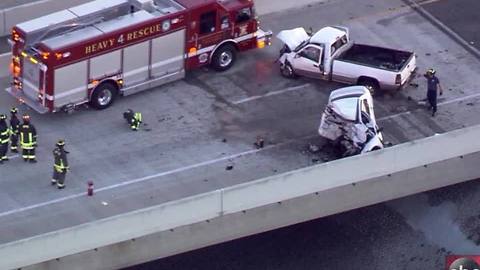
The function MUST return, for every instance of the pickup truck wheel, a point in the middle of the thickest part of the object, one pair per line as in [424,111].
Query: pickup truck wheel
[371,85]
[103,96]
[287,71]
[224,57]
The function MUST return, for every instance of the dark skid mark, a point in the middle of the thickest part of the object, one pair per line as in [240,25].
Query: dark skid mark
[194,80]
[415,126]
[430,122]
[394,131]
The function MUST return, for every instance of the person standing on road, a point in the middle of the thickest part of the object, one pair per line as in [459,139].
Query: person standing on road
[28,139]
[14,127]
[134,119]
[4,138]
[60,165]
[433,86]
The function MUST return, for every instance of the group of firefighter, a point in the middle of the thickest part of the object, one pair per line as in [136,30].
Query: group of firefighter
[25,133]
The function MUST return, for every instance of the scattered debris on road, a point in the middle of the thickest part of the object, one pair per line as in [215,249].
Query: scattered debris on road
[259,143]
[229,167]
[313,148]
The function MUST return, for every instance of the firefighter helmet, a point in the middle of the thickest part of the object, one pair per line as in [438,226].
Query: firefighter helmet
[3,117]
[14,110]
[61,143]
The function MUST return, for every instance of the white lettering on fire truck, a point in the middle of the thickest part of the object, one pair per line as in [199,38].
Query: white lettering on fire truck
[147,31]
[99,46]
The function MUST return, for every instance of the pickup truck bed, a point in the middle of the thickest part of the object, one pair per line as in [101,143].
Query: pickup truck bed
[393,60]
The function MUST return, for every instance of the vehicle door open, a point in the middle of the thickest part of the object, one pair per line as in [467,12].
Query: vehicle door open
[308,61]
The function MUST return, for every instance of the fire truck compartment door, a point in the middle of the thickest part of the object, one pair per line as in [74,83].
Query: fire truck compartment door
[31,79]
[105,65]
[168,53]
[70,84]
[135,63]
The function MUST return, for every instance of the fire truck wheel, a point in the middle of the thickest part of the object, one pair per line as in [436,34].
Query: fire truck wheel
[224,57]
[103,96]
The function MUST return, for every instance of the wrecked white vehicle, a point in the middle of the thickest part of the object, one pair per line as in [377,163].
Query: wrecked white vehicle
[330,55]
[348,121]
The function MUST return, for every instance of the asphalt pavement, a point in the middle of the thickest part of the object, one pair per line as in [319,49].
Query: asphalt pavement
[416,232]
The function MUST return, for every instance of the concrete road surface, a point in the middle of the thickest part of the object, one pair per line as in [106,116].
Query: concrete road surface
[198,126]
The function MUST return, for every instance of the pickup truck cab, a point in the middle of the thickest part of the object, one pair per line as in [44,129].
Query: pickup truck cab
[330,55]
[348,121]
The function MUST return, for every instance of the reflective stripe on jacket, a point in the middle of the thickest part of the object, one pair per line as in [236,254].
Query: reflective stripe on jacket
[61,162]
[4,135]
[28,136]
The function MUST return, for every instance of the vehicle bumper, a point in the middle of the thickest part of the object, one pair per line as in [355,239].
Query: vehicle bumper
[23,99]
[398,87]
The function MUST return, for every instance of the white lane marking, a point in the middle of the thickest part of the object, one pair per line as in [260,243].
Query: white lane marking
[458,99]
[13,156]
[145,178]
[273,93]
[393,116]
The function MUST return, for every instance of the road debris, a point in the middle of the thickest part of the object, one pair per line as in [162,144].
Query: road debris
[259,143]
[312,148]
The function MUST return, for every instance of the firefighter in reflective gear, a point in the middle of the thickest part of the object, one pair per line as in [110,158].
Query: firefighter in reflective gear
[14,127]
[28,139]
[133,119]
[60,166]
[4,138]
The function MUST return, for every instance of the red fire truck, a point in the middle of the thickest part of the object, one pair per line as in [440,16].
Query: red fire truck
[105,48]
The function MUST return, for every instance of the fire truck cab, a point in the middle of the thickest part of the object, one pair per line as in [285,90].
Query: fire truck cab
[96,51]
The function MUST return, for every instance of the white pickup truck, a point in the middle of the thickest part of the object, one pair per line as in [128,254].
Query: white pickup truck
[330,55]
